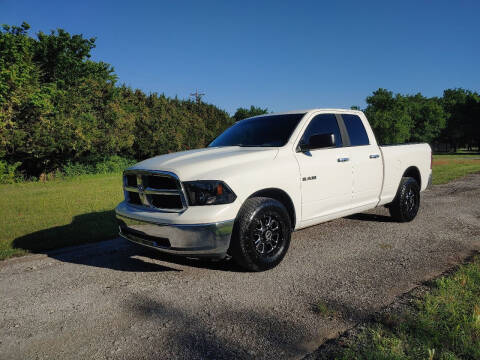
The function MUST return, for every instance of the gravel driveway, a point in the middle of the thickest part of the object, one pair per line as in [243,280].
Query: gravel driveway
[116,300]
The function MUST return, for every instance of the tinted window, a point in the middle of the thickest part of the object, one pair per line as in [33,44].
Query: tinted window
[356,130]
[270,130]
[323,124]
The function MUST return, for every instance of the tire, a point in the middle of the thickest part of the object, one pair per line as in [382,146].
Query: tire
[261,234]
[405,206]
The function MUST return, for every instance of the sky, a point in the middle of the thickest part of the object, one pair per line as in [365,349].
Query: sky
[280,55]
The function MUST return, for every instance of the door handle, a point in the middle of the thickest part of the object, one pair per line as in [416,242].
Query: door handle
[374,156]
[342,159]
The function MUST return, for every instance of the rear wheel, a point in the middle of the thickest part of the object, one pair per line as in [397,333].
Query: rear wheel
[405,206]
[261,235]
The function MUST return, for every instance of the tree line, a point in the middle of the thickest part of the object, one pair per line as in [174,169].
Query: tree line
[58,106]
[452,120]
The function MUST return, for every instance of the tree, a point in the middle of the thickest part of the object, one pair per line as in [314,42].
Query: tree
[243,113]
[64,59]
[401,118]
[429,118]
[462,108]
[389,117]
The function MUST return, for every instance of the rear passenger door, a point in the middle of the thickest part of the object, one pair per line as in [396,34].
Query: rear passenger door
[326,173]
[367,164]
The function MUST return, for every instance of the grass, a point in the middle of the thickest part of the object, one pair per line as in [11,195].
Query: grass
[444,324]
[323,309]
[39,216]
[449,167]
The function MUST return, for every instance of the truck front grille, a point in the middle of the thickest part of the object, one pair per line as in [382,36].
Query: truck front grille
[134,198]
[157,190]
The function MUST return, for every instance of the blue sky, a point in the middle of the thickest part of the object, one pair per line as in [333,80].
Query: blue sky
[283,55]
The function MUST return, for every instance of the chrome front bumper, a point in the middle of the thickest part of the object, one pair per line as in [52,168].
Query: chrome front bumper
[199,240]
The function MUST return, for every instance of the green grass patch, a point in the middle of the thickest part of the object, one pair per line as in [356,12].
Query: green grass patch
[323,309]
[445,324]
[450,167]
[38,216]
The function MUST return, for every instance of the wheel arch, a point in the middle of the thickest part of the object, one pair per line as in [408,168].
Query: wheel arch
[281,196]
[413,172]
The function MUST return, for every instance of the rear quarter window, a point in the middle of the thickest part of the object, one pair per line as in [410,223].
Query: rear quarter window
[356,131]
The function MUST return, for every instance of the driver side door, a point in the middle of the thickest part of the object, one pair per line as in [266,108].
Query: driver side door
[325,173]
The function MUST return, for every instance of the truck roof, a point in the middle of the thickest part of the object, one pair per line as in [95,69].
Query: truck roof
[315,109]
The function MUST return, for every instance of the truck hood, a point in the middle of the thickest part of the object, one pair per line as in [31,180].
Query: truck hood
[209,163]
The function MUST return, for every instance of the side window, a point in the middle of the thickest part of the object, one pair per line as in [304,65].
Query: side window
[323,124]
[356,130]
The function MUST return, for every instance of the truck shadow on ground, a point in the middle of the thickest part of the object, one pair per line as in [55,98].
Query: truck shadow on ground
[88,230]
[195,333]
[118,254]
[370,217]
[246,332]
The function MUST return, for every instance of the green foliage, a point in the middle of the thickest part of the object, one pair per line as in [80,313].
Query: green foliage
[164,125]
[63,59]
[243,113]
[452,119]
[463,117]
[398,119]
[58,107]
[96,165]
[389,117]
[8,173]
[428,116]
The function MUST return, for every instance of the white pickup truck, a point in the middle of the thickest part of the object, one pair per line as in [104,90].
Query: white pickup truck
[265,177]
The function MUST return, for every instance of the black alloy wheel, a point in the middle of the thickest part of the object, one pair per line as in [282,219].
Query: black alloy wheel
[261,234]
[404,207]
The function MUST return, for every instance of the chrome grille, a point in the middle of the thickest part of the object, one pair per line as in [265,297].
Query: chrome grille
[158,190]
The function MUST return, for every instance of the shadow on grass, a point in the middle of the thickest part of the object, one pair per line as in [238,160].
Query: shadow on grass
[85,228]
[60,243]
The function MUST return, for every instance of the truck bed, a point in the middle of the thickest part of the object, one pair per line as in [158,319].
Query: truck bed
[397,158]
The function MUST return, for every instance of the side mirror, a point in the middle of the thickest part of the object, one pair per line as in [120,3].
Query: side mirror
[318,141]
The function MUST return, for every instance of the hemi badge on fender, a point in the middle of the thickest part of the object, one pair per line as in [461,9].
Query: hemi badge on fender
[309,178]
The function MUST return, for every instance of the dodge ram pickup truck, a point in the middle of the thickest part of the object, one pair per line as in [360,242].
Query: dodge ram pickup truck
[265,177]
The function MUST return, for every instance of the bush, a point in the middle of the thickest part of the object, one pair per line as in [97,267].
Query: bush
[8,172]
[113,163]
[96,165]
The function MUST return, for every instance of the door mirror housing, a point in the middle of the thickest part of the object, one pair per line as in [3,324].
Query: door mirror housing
[318,141]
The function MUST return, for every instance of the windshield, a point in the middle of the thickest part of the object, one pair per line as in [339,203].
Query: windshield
[270,130]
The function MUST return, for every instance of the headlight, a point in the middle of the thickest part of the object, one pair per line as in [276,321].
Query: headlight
[208,192]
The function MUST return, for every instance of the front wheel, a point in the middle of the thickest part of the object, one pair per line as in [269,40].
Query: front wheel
[261,235]
[405,206]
